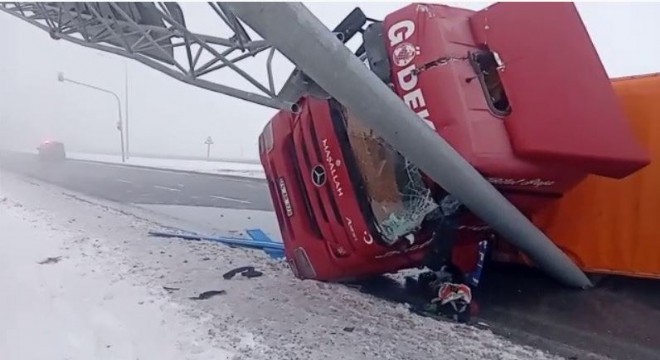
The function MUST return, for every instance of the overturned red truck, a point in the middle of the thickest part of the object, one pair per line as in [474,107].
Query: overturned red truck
[517,89]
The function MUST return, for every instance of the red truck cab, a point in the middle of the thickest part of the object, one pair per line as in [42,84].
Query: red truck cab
[323,196]
[526,101]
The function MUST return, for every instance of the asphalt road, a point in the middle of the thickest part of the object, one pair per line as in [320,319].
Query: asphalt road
[127,184]
[620,318]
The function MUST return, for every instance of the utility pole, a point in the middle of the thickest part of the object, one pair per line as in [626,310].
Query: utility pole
[317,52]
[208,142]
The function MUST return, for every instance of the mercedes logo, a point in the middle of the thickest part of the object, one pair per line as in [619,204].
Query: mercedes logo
[318,175]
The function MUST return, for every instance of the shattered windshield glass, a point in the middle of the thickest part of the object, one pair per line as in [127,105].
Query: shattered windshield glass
[398,197]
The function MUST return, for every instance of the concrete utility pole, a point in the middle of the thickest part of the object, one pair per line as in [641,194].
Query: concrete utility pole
[326,60]
[61,78]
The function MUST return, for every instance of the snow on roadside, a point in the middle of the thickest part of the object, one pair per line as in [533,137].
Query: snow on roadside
[208,167]
[66,296]
[277,316]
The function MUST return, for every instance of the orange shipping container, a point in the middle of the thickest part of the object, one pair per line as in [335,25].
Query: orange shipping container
[613,226]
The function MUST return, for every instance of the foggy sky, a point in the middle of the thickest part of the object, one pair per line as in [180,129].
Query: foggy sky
[168,117]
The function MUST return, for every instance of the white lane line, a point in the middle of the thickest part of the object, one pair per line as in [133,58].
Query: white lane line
[166,188]
[123,181]
[230,199]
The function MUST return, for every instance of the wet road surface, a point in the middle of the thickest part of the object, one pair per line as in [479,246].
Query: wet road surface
[620,318]
[127,184]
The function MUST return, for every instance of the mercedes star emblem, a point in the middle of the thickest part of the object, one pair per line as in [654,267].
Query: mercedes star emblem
[318,175]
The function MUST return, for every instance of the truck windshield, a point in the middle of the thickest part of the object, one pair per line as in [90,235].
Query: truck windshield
[397,195]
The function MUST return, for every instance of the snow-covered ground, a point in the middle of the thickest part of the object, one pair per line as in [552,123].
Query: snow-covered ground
[105,297]
[209,167]
[68,295]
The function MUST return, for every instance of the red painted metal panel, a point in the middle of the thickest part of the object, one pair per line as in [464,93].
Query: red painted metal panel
[563,105]
[449,98]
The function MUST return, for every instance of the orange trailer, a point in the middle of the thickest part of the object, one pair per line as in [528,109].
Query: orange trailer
[612,226]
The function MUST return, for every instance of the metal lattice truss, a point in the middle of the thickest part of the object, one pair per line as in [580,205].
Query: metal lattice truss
[153,33]
[156,35]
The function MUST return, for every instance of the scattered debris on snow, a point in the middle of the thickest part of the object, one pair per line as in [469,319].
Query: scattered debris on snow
[246,271]
[207,294]
[50,260]
[88,307]
[115,296]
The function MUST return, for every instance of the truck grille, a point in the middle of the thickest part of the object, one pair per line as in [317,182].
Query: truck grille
[291,150]
[322,200]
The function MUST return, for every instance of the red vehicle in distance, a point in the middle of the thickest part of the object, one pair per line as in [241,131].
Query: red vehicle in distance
[526,102]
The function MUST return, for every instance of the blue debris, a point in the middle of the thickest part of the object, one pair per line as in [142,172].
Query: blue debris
[258,240]
[258,235]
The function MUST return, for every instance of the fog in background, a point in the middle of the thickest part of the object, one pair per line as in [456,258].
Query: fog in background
[170,118]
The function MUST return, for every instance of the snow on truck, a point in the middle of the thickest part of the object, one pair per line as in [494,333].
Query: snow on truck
[519,91]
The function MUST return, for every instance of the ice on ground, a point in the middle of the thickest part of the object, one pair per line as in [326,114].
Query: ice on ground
[208,167]
[108,290]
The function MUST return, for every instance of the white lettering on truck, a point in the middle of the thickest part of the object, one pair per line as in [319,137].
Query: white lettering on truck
[349,222]
[367,238]
[521,182]
[333,165]
[406,78]
[400,31]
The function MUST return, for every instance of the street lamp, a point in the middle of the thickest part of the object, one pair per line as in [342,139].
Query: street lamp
[126,132]
[61,78]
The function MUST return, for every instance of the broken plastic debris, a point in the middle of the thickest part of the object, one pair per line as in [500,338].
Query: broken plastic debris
[50,260]
[208,294]
[247,271]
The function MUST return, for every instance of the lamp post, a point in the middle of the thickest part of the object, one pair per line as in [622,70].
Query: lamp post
[126,132]
[128,153]
[61,78]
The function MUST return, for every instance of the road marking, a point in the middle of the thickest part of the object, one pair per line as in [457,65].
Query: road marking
[166,188]
[123,181]
[230,199]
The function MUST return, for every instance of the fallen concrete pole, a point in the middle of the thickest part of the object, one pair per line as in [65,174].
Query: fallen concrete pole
[303,39]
